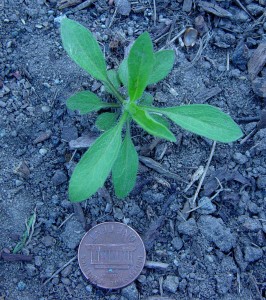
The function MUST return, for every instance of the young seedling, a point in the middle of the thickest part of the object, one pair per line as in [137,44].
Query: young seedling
[114,152]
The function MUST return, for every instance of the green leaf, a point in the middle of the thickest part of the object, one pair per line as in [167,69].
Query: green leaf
[204,120]
[113,76]
[160,119]
[125,168]
[82,47]
[86,102]
[163,64]
[106,120]
[123,72]
[148,123]
[95,165]
[146,99]
[140,62]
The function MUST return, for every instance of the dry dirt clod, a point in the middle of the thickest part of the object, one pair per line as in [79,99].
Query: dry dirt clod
[123,7]
[259,86]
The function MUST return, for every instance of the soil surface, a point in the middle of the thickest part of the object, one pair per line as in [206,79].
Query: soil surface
[216,251]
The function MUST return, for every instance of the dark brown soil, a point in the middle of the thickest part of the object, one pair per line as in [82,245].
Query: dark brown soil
[214,252]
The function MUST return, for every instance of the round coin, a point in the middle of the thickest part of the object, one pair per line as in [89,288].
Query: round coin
[111,255]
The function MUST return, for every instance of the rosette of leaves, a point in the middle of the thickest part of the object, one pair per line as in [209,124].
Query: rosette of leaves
[114,152]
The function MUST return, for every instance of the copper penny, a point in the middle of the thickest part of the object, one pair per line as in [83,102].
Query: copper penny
[111,255]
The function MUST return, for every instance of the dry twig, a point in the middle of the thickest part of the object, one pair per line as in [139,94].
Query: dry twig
[204,174]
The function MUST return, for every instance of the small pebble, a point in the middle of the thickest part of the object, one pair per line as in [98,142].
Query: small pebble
[43,151]
[170,284]
[59,177]
[177,243]
[21,286]
[65,281]
[130,292]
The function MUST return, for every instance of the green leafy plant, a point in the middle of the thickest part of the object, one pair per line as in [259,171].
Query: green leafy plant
[114,152]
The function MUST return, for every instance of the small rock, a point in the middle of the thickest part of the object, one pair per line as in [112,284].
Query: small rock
[188,227]
[177,243]
[38,261]
[252,254]
[170,284]
[88,288]
[253,208]
[118,213]
[215,231]
[69,133]
[240,158]
[261,182]
[150,197]
[43,151]
[21,286]
[123,7]
[48,241]
[130,292]
[65,281]
[255,9]
[67,271]
[206,206]
[2,104]
[59,177]
[31,270]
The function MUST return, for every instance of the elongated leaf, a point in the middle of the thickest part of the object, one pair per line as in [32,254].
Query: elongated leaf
[113,76]
[140,63]
[204,120]
[106,120]
[146,99]
[160,119]
[163,64]
[95,165]
[125,168]
[86,102]
[123,72]
[82,47]
[148,123]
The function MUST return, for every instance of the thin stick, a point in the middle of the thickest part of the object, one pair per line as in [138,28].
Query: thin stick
[175,38]
[155,13]
[113,17]
[70,216]
[204,174]
[227,61]
[60,269]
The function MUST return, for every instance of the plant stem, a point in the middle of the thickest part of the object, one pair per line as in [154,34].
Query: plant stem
[114,91]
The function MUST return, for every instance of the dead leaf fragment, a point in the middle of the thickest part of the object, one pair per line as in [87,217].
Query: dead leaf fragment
[22,169]
[257,61]
[214,9]
[68,3]
[82,142]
